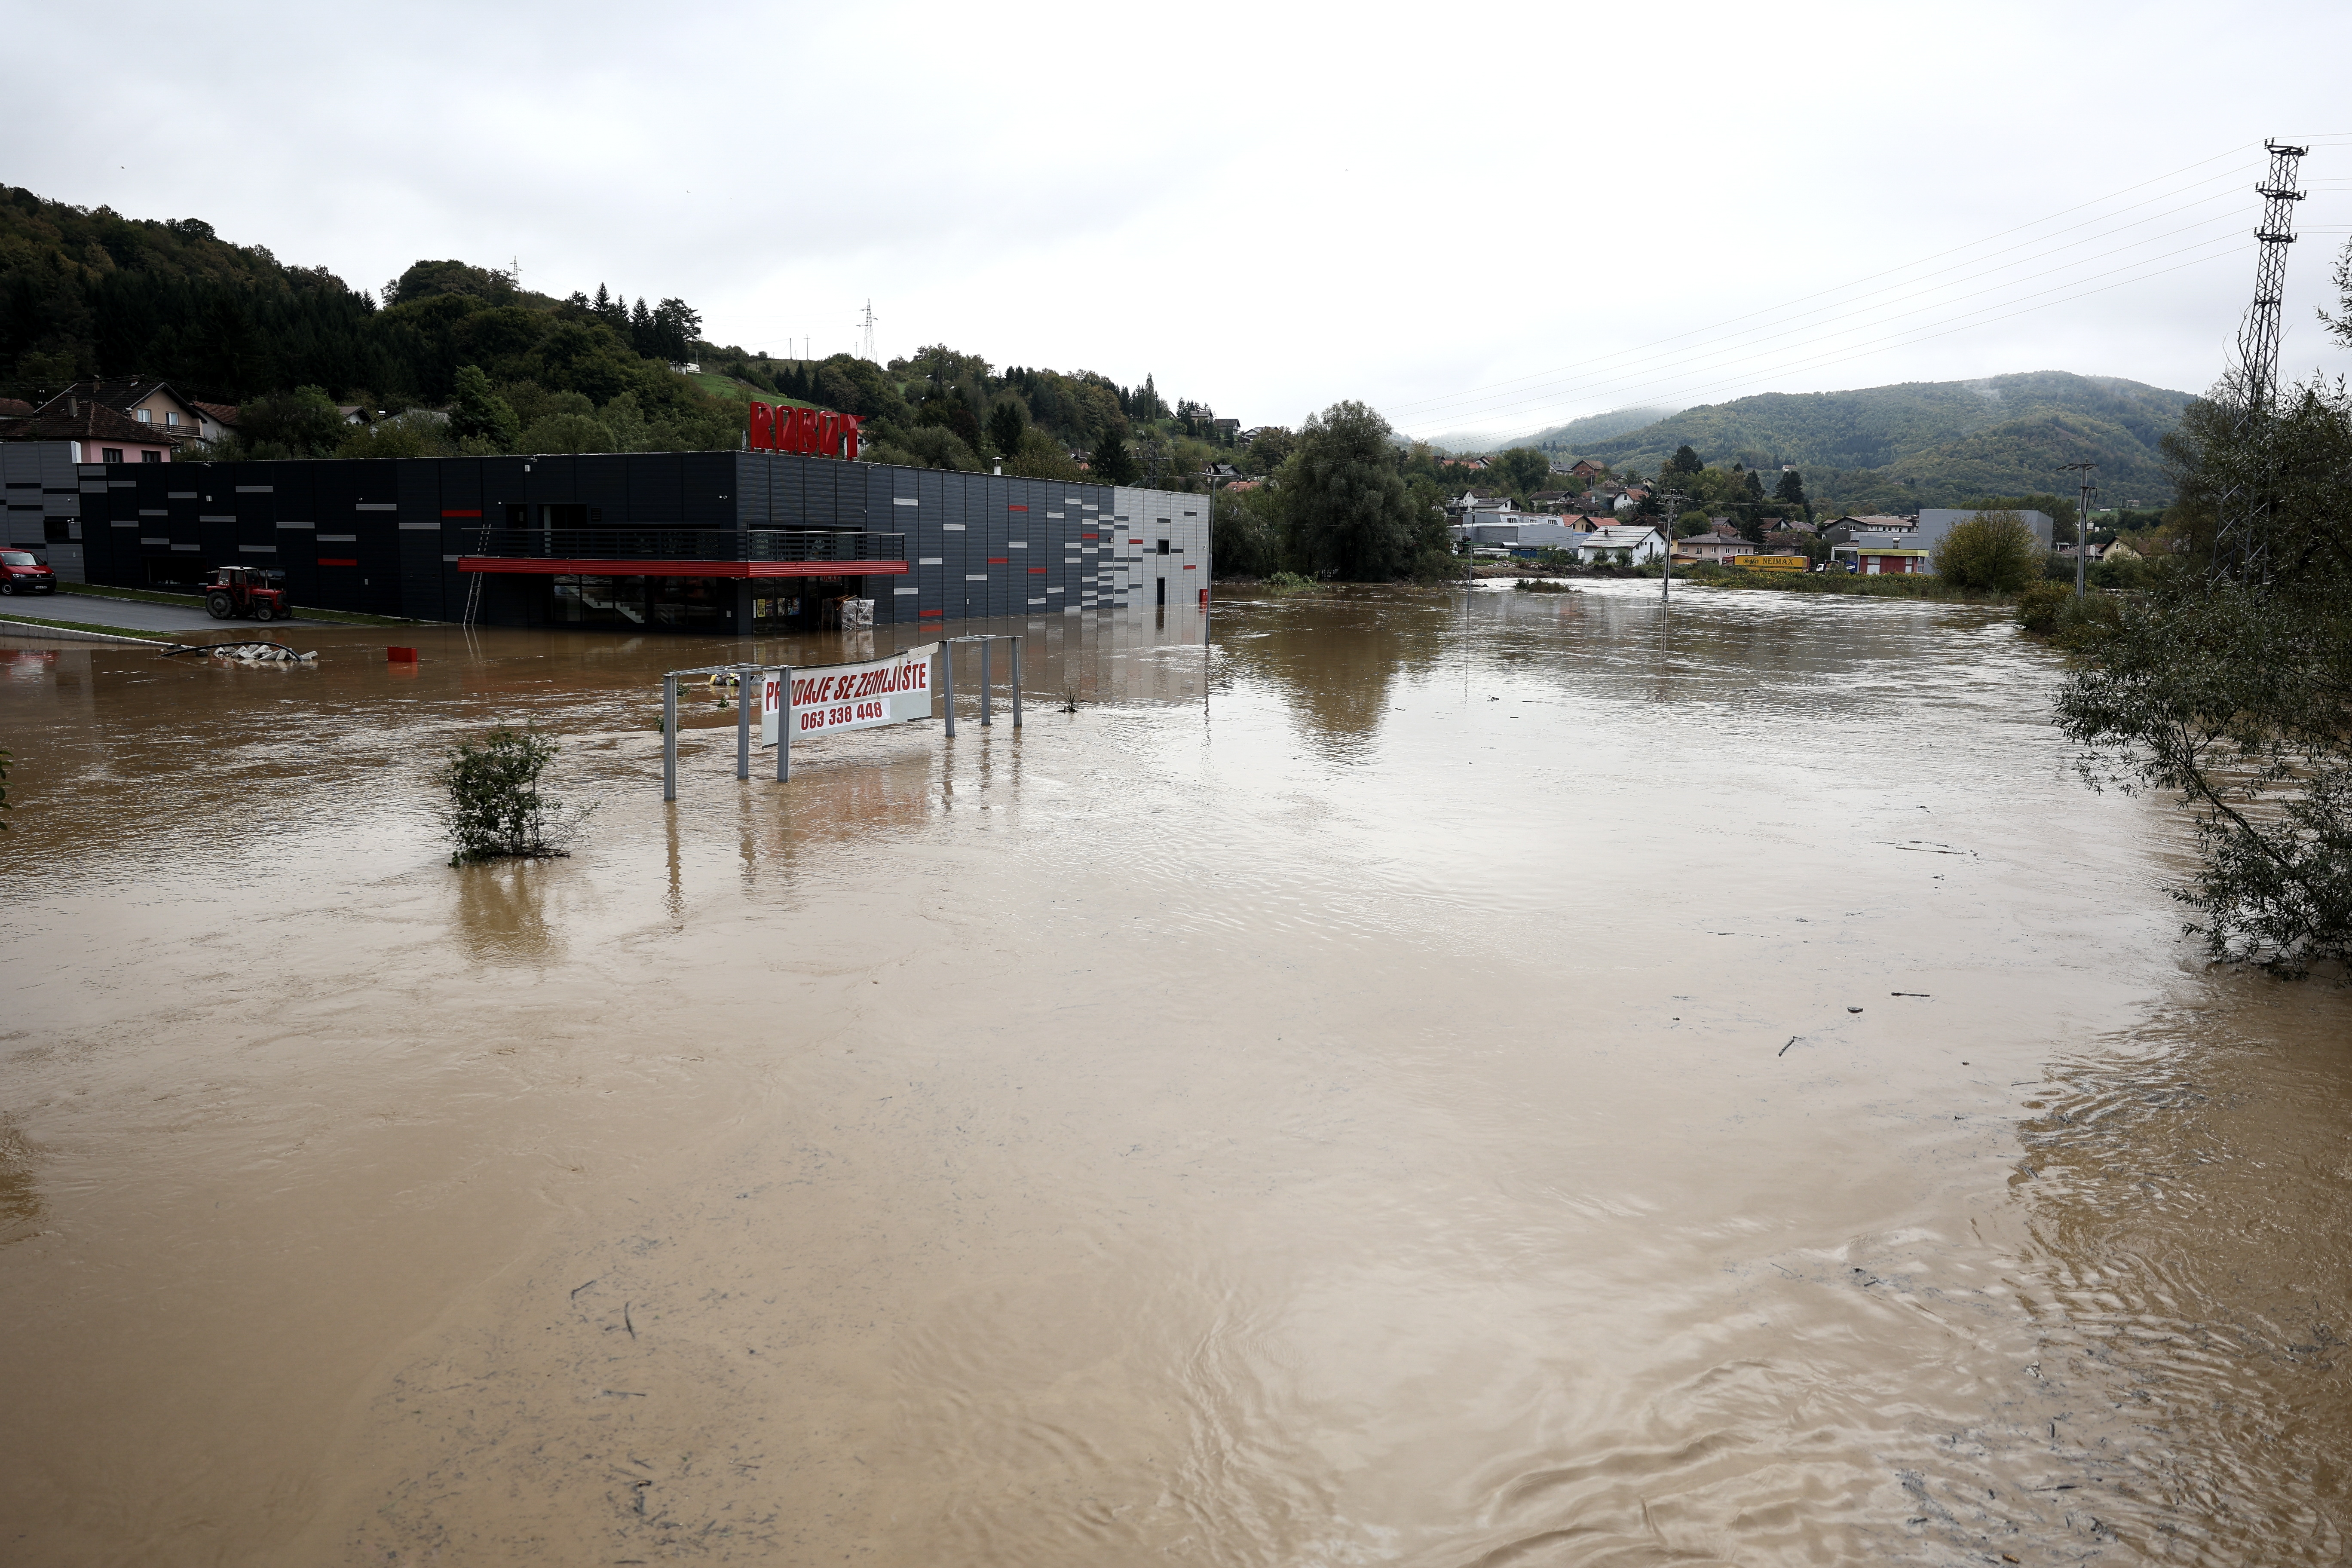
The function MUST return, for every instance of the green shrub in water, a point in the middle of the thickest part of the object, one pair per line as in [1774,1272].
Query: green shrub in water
[494,808]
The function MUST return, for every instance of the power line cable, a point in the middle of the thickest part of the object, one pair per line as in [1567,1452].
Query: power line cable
[1909,265]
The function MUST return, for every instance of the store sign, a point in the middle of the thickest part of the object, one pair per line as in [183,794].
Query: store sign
[814,432]
[829,698]
[1772,563]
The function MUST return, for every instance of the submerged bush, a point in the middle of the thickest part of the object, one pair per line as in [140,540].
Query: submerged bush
[494,807]
[2038,607]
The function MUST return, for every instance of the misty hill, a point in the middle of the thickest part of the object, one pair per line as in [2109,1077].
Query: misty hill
[1571,438]
[1931,443]
[1574,439]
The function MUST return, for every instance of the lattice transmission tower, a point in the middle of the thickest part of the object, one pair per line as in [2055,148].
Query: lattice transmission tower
[2237,540]
[866,340]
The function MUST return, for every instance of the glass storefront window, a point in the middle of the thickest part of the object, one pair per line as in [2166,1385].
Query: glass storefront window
[586,601]
[800,604]
[687,603]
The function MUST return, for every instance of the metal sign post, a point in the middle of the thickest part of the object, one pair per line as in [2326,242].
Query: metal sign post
[744,699]
[987,677]
[669,737]
[783,724]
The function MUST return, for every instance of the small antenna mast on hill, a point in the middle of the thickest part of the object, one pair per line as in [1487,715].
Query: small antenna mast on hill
[868,339]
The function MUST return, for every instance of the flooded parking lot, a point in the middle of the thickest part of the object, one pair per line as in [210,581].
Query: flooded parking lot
[1435,1080]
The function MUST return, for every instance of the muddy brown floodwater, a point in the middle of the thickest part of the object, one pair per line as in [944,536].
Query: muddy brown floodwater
[1446,1081]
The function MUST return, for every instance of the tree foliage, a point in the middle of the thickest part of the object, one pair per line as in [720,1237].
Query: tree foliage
[2228,681]
[1524,469]
[1348,508]
[1111,463]
[1993,550]
[478,413]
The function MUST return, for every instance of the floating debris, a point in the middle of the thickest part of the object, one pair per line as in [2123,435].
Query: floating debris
[253,651]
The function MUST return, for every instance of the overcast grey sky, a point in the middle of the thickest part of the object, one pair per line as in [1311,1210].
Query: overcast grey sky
[1485,217]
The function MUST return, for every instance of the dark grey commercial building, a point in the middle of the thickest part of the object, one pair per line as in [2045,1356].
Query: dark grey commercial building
[713,542]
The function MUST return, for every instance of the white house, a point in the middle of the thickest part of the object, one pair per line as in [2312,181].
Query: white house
[1626,544]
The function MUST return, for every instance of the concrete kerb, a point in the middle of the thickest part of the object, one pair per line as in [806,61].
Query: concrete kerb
[73,634]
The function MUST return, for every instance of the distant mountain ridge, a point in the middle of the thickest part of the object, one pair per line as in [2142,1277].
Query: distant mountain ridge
[1574,436]
[1926,443]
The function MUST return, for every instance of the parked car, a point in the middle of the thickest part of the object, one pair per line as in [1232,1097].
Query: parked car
[22,572]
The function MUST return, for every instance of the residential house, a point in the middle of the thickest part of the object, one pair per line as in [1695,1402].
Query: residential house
[143,400]
[14,409]
[95,433]
[1871,523]
[1711,547]
[1584,468]
[1626,544]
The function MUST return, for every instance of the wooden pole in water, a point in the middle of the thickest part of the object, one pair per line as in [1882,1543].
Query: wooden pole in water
[985,644]
[947,660]
[1017,683]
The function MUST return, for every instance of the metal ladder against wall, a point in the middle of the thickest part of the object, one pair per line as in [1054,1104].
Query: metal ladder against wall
[473,588]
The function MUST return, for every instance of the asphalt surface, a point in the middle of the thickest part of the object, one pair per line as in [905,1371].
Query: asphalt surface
[131,615]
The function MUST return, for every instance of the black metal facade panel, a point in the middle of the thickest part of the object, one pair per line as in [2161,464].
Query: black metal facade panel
[657,487]
[708,494]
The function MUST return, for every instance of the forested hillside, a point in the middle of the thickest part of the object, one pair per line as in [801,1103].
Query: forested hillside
[1893,448]
[87,292]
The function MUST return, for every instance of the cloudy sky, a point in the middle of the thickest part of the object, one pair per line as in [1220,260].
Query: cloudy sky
[1481,217]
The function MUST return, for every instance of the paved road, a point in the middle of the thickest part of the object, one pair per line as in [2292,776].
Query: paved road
[131,615]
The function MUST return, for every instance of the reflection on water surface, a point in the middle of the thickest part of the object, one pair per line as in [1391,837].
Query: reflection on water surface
[1421,1079]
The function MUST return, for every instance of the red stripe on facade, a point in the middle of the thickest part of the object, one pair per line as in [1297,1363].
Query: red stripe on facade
[1191,568]
[446,513]
[1016,508]
[1000,561]
[336,561]
[1036,571]
[921,614]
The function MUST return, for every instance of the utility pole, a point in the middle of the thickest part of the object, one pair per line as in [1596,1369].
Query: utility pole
[2237,542]
[2082,523]
[1673,499]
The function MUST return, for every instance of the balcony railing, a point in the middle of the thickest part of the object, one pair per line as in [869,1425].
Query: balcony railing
[620,545]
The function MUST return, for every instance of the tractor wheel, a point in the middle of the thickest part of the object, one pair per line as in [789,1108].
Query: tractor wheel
[261,610]
[217,606]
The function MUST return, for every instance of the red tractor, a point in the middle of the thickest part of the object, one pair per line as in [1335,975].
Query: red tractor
[247,592]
